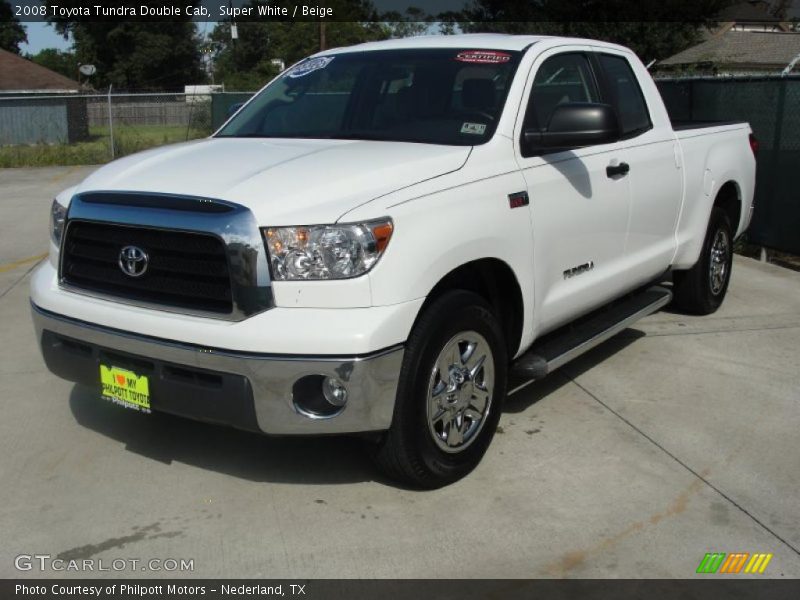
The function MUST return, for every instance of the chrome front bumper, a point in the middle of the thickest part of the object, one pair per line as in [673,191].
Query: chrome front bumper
[371,380]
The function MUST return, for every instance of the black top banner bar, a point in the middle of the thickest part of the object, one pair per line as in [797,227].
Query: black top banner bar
[518,11]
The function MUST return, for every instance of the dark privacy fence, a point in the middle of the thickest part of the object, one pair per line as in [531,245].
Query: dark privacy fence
[772,107]
[223,103]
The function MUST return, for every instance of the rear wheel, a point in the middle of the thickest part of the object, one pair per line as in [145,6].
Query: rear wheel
[450,394]
[701,289]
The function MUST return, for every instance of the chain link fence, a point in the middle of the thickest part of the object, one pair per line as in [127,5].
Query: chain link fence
[93,129]
[772,107]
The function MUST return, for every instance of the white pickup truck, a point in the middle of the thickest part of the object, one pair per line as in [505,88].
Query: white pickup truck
[387,237]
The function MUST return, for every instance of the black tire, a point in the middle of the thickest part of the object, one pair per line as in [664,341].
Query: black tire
[409,452]
[697,291]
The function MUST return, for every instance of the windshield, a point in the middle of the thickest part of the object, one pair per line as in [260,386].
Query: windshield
[441,96]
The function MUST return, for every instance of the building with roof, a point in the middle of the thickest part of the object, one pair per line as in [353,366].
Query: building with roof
[22,76]
[755,37]
[757,15]
[38,105]
[737,52]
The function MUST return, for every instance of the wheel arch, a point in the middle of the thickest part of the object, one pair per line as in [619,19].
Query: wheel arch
[495,281]
[729,199]
[729,196]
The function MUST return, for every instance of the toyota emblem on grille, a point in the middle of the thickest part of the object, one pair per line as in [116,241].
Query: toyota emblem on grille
[133,261]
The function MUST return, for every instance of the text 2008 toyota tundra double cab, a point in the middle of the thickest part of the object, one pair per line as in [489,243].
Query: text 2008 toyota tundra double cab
[388,237]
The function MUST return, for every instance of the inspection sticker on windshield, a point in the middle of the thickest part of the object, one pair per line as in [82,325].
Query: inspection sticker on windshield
[309,66]
[125,388]
[473,128]
[484,57]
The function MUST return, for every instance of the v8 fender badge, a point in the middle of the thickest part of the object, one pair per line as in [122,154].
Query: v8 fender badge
[518,200]
[484,57]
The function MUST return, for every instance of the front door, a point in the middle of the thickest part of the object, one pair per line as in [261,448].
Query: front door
[579,212]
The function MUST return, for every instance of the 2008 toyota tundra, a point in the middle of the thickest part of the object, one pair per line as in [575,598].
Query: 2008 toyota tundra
[385,236]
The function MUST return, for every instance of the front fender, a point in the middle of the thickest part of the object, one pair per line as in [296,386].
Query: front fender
[437,233]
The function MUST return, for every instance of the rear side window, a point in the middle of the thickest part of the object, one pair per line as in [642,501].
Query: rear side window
[561,78]
[631,106]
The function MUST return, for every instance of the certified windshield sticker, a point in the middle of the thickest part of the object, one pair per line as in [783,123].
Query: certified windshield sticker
[473,128]
[311,65]
[484,57]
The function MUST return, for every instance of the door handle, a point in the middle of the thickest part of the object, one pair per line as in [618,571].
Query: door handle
[620,169]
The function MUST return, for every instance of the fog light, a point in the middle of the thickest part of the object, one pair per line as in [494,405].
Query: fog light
[319,396]
[334,391]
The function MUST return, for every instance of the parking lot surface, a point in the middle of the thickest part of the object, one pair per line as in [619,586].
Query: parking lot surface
[678,437]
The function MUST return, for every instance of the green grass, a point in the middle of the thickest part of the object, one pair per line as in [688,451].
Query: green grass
[96,150]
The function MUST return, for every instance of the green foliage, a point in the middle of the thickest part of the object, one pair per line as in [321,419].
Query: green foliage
[449,25]
[137,56]
[652,30]
[62,62]
[413,22]
[245,63]
[97,150]
[12,32]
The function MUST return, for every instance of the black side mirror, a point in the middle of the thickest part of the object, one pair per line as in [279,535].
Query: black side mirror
[234,107]
[573,125]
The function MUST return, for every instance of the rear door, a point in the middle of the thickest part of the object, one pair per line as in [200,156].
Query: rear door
[579,213]
[656,180]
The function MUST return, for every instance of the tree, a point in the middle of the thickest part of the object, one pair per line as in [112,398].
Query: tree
[242,64]
[449,23]
[651,29]
[12,32]
[413,22]
[60,61]
[137,55]
[246,63]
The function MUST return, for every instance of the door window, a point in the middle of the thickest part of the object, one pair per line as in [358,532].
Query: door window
[634,118]
[561,78]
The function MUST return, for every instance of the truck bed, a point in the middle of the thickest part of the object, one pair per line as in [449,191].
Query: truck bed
[686,125]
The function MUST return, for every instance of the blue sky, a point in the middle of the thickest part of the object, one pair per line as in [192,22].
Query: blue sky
[40,36]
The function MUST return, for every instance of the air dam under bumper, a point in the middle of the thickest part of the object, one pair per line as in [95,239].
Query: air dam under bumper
[244,390]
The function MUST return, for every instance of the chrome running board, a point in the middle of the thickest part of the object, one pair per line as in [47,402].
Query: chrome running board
[560,347]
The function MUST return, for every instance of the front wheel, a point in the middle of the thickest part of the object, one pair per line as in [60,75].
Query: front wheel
[451,391]
[701,289]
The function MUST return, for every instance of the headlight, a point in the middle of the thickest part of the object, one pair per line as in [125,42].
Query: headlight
[58,216]
[326,251]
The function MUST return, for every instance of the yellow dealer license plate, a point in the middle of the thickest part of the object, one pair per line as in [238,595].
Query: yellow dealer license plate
[125,388]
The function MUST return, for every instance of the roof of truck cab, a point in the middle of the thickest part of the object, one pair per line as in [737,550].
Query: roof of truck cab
[486,41]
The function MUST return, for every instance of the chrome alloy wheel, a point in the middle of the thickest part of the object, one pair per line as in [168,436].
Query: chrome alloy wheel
[718,265]
[460,391]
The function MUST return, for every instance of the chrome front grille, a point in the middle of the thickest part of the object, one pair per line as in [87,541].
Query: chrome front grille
[203,256]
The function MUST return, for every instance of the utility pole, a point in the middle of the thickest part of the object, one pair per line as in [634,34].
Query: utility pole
[323,42]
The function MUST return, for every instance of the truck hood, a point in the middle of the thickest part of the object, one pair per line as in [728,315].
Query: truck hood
[282,181]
